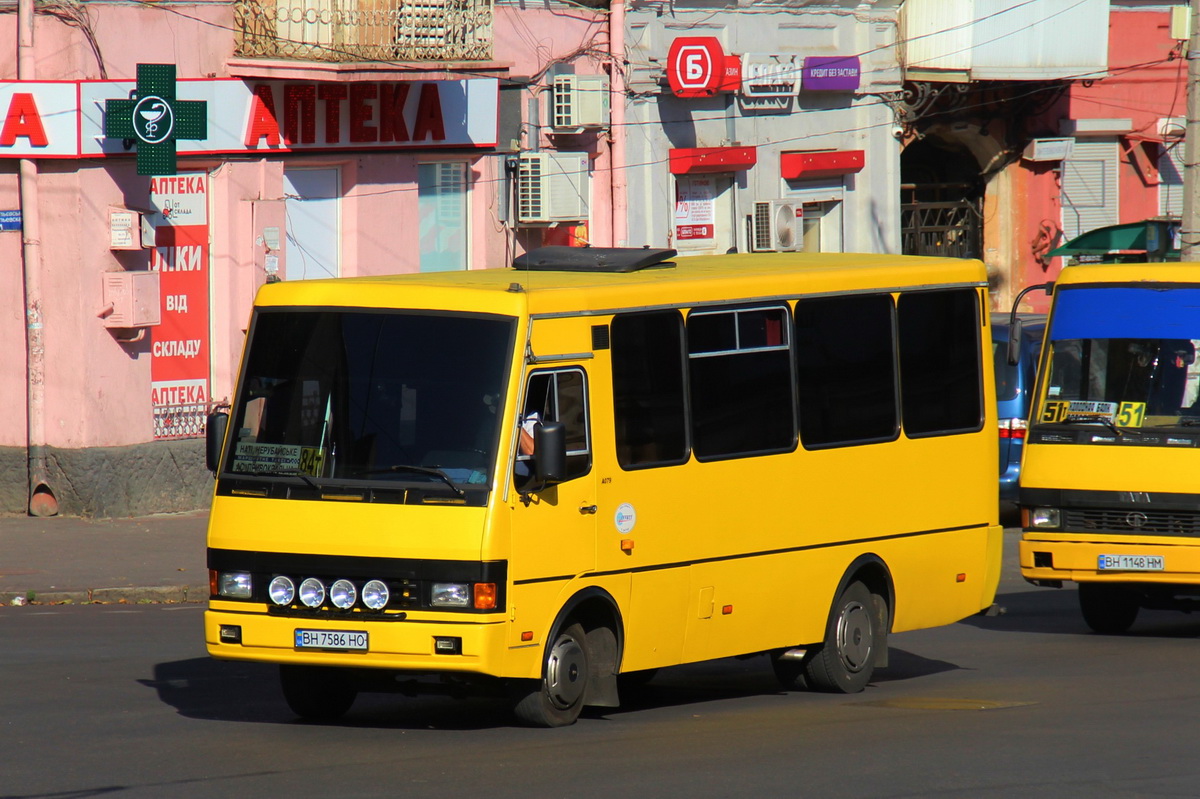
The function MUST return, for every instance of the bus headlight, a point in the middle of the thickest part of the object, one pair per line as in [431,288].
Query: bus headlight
[312,592]
[234,584]
[375,595]
[282,590]
[343,594]
[450,595]
[1045,518]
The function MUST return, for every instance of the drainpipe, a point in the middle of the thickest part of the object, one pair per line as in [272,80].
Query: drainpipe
[41,498]
[616,145]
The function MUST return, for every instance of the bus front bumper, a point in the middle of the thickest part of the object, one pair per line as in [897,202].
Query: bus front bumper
[1052,559]
[475,646]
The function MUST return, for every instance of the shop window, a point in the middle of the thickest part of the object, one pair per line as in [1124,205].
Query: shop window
[442,211]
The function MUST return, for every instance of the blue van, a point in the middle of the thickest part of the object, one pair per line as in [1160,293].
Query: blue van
[1014,387]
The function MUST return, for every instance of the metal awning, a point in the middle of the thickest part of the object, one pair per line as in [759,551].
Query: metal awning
[1153,236]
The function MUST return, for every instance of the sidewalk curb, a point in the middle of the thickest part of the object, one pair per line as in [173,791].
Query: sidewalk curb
[137,595]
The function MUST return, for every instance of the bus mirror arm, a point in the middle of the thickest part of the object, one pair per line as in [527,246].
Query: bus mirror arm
[1014,324]
[214,437]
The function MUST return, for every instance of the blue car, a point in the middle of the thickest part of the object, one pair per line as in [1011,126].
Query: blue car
[1014,389]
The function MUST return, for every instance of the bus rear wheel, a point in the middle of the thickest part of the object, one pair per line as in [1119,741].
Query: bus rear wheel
[845,660]
[557,699]
[317,694]
[1108,608]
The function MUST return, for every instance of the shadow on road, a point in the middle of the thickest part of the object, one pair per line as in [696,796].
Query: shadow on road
[208,689]
[1056,611]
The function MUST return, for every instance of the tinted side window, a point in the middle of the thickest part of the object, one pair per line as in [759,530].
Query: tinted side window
[940,371]
[846,371]
[740,382]
[648,388]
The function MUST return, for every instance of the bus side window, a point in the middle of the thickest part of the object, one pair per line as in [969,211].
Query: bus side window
[558,396]
[941,376]
[649,388]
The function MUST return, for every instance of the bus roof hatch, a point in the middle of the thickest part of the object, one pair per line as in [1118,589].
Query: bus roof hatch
[593,259]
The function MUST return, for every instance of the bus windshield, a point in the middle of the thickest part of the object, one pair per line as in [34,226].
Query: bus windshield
[1124,357]
[358,395]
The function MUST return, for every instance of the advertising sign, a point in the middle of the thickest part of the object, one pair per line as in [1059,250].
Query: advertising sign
[694,209]
[179,345]
[697,66]
[838,73]
[68,119]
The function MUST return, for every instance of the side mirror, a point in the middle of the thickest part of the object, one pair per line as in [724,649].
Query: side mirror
[1014,324]
[550,446]
[214,437]
[1014,341]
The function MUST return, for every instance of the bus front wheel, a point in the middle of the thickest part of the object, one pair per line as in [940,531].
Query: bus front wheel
[317,694]
[845,660]
[1108,608]
[556,699]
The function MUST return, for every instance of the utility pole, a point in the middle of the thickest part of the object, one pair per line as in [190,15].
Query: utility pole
[1189,229]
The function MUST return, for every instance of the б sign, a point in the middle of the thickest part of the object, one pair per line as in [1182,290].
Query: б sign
[698,67]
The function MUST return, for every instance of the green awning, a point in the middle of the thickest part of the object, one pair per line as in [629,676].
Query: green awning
[1130,236]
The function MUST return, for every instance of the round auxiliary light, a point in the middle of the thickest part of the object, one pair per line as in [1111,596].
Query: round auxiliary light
[282,590]
[375,595]
[312,592]
[342,594]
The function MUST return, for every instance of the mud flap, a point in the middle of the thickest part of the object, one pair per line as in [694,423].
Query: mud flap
[602,679]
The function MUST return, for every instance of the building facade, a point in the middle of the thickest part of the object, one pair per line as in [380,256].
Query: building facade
[336,142]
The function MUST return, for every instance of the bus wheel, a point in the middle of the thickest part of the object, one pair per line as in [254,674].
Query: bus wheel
[556,699]
[845,660]
[1109,609]
[317,694]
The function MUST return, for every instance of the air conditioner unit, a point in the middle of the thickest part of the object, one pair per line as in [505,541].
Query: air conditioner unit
[580,102]
[777,226]
[553,187]
[1172,127]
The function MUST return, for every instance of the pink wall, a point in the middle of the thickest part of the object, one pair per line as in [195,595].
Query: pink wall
[97,391]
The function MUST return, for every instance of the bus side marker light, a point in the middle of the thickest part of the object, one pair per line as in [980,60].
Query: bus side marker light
[726,610]
[527,635]
[485,596]
[961,577]
[627,545]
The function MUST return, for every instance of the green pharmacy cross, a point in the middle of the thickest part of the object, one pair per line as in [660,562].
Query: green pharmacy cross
[155,119]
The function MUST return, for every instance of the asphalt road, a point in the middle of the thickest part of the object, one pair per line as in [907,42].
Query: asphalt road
[121,701]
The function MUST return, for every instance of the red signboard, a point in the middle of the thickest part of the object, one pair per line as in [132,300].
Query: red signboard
[179,346]
[697,66]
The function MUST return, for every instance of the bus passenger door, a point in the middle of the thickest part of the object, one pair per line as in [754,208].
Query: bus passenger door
[553,528]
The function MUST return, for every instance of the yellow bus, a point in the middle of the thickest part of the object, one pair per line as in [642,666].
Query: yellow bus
[1108,494]
[774,453]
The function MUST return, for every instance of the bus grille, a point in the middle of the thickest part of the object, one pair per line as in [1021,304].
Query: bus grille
[1134,522]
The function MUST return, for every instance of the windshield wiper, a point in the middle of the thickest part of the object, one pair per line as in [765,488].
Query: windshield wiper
[438,473]
[1106,423]
[302,476]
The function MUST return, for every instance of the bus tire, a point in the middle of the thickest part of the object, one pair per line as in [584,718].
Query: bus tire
[315,693]
[558,697]
[845,660]
[1108,608]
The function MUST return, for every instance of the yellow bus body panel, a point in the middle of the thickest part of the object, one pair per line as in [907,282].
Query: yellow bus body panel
[727,557]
